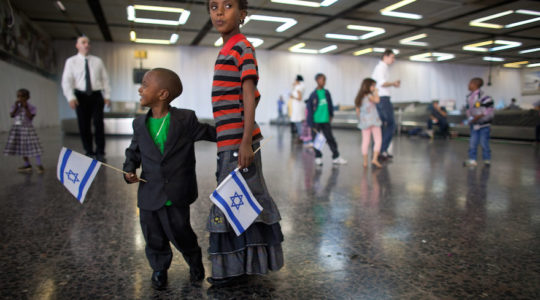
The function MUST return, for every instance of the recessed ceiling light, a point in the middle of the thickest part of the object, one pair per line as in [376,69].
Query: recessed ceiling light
[389,11]
[478,46]
[299,48]
[411,40]
[287,22]
[480,22]
[517,64]
[342,36]
[490,58]
[182,19]
[533,65]
[529,50]
[369,50]
[256,42]
[60,6]
[432,56]
[172,40]
[324,3]
[374,31]
[381,50]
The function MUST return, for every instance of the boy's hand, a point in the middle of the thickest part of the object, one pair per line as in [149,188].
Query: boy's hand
[131,177]
[245,156]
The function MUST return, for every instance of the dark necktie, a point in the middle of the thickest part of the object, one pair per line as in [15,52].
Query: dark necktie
[88,89]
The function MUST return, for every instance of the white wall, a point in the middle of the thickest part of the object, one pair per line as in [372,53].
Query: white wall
[42,94]
[420,81]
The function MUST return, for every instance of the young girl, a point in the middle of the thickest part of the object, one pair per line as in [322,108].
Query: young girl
[234,99]
[23,139]
[368,119]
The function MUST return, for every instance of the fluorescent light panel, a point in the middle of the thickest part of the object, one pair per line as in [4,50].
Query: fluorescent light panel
[131,15]
[490,58]
[432,56]
[375,49]
[60,6]
[517,64]
[389,11]
[478,46]
[529,50]
[299,48]
[533,65]
[172,40]
[411,40]
[324,3]
[480,22]
[287,22]
[374,31]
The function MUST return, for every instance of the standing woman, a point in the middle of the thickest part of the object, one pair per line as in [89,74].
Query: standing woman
[368,119]
[298,108]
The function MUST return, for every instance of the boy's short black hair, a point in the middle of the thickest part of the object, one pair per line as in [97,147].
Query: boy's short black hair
[387,52]
[478,81]
[25,92]
[299,78]
[242,3]
[170,81]
[319,75]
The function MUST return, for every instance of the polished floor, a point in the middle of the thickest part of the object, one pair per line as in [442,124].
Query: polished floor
[422,227]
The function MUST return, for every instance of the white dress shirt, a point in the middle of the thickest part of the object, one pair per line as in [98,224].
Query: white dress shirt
[381,75]
[298,108]
[73,77]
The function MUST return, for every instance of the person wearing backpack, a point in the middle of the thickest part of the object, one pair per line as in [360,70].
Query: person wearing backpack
[480,108]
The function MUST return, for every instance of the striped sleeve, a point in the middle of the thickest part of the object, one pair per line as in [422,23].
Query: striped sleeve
[247,63]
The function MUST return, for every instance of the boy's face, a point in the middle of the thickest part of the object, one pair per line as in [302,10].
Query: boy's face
[150,91]
[321,81]
[226,15]
[473,86]
[21,97]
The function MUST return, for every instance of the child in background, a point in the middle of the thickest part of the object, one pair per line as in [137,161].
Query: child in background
[234,100]
[480,114]
[320,113]
[368,119]
[163,143]
[22,139]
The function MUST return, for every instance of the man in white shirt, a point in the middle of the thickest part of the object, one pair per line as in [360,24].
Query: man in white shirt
[85,83]
[385,107]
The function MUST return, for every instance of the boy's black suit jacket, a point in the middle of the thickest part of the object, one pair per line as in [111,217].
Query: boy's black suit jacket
[171,175]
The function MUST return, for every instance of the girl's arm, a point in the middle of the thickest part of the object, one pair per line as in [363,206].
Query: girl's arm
[29,115]
[358,111]
[245,153]
[374,98]
[15,109]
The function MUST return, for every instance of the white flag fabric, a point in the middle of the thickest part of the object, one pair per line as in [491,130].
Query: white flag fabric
[76,172]
[319,141]
[236,201]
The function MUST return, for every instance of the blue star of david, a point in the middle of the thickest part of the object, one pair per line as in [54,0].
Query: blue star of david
[240,202]
[72,176]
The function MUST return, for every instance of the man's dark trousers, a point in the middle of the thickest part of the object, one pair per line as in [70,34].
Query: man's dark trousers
[91,107]
[386,114]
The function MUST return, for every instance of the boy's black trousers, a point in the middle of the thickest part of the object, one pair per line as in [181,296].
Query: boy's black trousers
[169,224]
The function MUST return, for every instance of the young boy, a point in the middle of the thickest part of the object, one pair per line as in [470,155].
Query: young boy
[320,114]
[480,115]
[234,99]
[163,142]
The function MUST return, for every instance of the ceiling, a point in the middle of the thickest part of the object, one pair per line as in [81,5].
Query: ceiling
[443,29]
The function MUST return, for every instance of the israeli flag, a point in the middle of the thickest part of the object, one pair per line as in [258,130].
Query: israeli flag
[76,172]
[319,141]
[236,201]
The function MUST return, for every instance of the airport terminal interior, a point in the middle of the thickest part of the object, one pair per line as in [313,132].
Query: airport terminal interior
[426,224]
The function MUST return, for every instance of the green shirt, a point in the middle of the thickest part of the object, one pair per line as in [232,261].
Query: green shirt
[321,114]
[158,129]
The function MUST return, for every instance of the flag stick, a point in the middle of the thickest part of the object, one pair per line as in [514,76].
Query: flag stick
[121,171]
[264,142]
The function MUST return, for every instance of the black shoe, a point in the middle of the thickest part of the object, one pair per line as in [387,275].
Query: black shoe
[220,282]
[101,157]
[159,279]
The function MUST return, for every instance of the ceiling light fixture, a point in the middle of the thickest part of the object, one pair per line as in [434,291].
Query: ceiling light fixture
[516,65]
[478,47]
[377,50]
[172,40]
[389,11]
[490,58]
[411,40]
[182,19]
[529,50]
[342,36]
[324,3]
[60,6]
[287,22]
[432,56]
[480,22]
[533,65]
[299,48]
[374,31]
[256,42]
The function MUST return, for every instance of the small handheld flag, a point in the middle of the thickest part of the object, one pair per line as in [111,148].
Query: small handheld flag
[236,201]
[76,172]
[319,141]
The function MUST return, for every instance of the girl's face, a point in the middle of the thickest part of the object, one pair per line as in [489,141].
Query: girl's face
[372,88]
[226,16]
